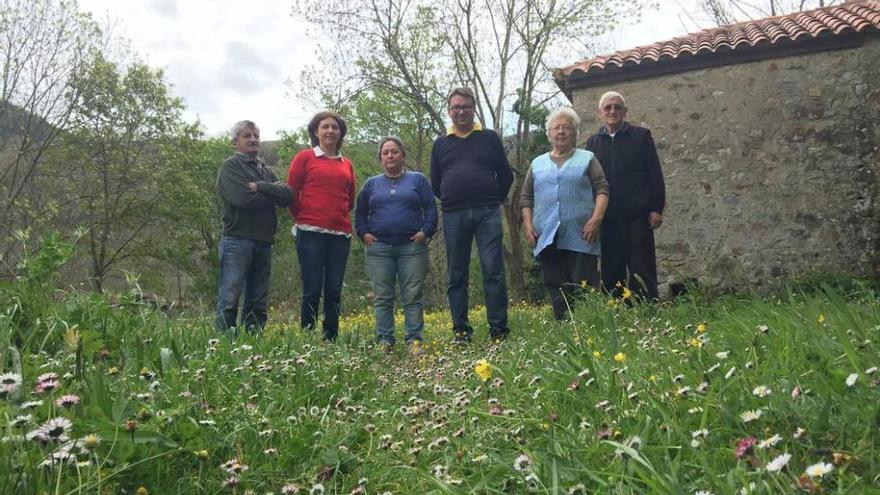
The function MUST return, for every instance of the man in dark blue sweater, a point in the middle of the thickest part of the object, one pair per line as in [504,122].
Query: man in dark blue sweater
[471,176]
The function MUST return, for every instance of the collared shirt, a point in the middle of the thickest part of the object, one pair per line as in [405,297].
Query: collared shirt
[319,153]
[451,130]
[314,228]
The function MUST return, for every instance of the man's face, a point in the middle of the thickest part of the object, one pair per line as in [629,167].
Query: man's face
[248,141]
[461,111]
[612,112]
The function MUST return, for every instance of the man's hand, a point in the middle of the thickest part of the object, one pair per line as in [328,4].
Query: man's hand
[418,238]
[369,239]
[252,186]
[655,220]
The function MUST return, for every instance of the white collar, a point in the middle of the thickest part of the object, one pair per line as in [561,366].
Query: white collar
[319,152]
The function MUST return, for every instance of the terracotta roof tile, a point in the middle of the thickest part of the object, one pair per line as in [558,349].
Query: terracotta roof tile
[848,17]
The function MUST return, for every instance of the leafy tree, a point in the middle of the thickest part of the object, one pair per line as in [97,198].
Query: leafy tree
[411,52]
[44,47]
[124,138]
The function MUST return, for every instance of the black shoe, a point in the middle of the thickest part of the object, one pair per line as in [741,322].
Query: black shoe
[498,335]
[461,338]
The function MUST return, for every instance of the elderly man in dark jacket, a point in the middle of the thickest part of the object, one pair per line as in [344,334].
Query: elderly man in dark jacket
[638,195]
[250,194]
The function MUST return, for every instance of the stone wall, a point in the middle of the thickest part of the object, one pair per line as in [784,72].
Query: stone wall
[772,167]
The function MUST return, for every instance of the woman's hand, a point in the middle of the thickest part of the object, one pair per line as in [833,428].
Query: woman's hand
[369,239]
[531,234]
[590,232]
[418,238]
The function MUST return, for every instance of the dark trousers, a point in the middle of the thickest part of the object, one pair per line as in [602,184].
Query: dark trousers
[628,258]
[460,229]
[564,274]
[322,259]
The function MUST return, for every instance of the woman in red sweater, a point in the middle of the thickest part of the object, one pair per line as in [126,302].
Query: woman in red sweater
[323,185]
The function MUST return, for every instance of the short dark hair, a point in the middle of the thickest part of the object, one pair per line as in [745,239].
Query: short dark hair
[327,114]
[394,139]
[466,92]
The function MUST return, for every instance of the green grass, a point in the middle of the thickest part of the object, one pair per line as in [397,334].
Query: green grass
[617,400]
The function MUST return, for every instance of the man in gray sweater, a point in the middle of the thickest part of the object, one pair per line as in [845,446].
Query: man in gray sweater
[249,194]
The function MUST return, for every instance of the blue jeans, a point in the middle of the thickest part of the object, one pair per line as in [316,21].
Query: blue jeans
[322,259]
[388,266]
[460,228]
[245,265]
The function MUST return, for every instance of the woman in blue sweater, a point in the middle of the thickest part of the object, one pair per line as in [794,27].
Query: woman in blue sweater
[395,216]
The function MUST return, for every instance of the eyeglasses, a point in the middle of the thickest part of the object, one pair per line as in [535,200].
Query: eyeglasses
[461,108]
[613,106]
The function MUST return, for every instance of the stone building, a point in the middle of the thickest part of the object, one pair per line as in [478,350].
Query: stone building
[768,132]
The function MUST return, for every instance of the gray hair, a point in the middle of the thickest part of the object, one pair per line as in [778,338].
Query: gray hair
[612,94]
[564,112]
[396,140]
[240,126]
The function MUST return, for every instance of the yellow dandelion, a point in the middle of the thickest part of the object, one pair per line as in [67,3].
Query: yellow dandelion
[589,340]
[652,378]
[620,357]
[695,343]
[142,491]
[821,318]
[626,293]
[701,328]
[597,354]
[483,369]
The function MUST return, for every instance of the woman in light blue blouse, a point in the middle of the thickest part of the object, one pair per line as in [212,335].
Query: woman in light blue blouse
[563,200]
[395,216]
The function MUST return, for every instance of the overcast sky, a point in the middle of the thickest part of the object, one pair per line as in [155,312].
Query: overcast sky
[231,60]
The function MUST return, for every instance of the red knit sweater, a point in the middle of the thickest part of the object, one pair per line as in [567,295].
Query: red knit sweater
[323,191]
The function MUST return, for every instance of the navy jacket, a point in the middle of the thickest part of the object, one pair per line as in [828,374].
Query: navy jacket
[632,169]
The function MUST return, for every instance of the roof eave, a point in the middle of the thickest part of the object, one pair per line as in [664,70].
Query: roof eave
[684,63]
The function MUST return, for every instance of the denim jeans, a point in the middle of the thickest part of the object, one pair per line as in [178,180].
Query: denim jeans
[389,266]
[322,259]
[460,228]
[245,265]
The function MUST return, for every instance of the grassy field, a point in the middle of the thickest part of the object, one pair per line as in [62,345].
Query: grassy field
[734,395]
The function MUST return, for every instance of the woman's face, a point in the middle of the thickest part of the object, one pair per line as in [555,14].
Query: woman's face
[328,133]
[391,157]
[561,133]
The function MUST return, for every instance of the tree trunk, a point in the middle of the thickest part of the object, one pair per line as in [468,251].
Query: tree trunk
[514,255]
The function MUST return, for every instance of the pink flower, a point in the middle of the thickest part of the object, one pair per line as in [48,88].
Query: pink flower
[67,401]
[744,446]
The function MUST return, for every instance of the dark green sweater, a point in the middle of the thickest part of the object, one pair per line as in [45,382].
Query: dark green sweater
[246,213]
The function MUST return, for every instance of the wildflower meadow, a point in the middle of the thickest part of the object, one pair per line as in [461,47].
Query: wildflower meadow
[729,395]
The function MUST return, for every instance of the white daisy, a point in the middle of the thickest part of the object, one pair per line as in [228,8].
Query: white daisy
[761,391]
[749,416]
[769,442]
[778,462]
[522,463]
[819,469]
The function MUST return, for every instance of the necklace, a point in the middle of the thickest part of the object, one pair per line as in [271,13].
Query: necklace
[394,181]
